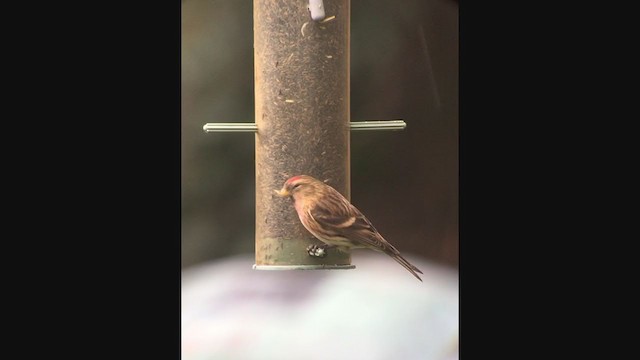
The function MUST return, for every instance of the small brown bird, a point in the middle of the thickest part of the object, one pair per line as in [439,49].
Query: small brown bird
[332,219]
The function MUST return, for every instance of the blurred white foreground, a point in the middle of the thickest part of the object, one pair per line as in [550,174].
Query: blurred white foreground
[376,311]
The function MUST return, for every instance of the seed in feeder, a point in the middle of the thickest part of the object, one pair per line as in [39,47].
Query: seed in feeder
[328,19]
[289,101]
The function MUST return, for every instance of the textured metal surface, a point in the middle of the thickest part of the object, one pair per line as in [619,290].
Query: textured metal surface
[302,116]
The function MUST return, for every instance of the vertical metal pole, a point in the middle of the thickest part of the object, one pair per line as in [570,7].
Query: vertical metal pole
[302,116]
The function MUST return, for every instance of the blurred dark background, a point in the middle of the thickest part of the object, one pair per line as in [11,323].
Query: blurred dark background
[404,65]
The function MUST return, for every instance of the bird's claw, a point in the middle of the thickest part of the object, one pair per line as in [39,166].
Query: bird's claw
[316,251]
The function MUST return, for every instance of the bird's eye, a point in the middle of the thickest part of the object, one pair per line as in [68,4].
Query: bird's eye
[296,185]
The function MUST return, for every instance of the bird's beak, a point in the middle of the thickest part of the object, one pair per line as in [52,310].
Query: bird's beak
[282,192]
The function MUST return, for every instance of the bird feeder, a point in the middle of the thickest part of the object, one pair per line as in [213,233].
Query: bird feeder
[302,121]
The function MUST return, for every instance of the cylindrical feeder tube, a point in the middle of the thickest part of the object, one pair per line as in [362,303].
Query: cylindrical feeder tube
[302,117]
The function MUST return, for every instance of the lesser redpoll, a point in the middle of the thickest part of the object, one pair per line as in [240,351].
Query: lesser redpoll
[332,219]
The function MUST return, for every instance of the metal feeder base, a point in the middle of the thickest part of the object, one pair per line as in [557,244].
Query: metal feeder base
[303,267]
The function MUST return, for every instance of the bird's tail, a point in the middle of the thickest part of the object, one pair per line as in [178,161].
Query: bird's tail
[407,265]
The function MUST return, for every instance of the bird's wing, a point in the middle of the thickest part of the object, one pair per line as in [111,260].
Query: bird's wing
[339,218]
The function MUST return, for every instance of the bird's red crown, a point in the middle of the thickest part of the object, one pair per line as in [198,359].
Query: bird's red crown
[293,179]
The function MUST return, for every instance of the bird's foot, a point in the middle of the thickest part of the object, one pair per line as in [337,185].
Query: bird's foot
[317,250]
